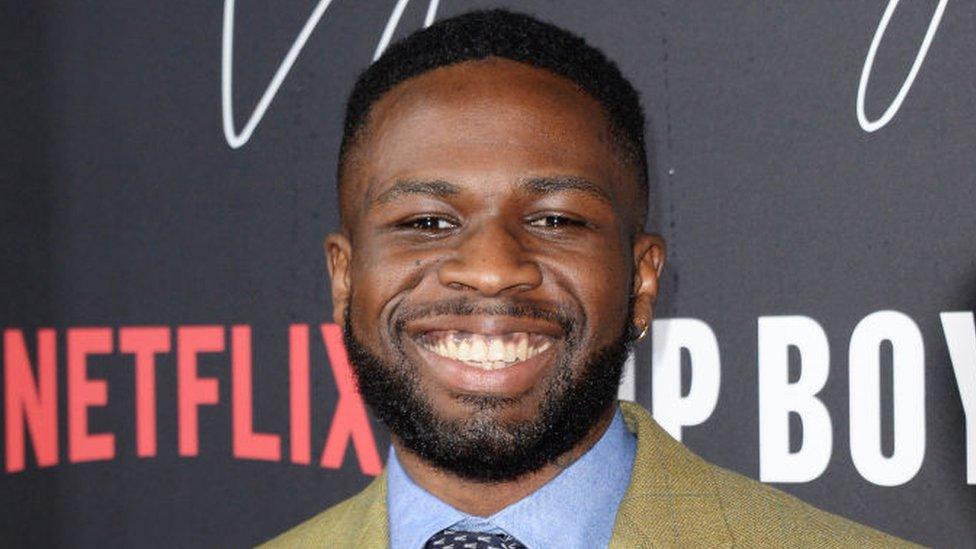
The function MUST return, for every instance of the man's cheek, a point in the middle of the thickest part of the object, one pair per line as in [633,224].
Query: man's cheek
[607,312]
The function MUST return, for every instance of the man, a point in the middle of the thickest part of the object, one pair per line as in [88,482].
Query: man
[491,275]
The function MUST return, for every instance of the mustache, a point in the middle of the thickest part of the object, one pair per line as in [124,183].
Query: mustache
[466,307]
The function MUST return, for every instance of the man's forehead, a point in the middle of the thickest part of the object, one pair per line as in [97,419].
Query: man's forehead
[465,80]
[477,117]
[497,85]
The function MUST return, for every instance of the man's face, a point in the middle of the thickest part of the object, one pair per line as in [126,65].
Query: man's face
[490,263]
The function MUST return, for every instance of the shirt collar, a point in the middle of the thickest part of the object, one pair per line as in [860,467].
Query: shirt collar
[593,486]
[415,514]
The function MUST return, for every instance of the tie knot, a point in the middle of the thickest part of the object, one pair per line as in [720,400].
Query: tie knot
[458,539]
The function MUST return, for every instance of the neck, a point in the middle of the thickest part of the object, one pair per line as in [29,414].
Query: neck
[483,499]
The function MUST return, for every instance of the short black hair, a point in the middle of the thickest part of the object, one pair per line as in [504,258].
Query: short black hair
[501,33]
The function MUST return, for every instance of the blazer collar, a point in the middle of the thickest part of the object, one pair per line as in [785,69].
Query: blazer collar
[374,528]
[673,499]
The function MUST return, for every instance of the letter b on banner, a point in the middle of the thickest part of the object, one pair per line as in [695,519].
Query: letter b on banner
[778,398]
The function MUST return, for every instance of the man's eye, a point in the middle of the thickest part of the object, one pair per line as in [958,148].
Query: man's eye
[428,223]
[556,222]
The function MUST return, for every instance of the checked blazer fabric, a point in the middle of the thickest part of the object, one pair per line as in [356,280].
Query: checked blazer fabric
[675,499]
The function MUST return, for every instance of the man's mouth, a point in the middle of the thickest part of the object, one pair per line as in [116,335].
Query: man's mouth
[488,352]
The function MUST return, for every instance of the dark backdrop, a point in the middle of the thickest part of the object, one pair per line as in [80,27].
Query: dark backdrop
[123,204]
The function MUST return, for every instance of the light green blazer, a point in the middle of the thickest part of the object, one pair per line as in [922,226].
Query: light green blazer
[675,499]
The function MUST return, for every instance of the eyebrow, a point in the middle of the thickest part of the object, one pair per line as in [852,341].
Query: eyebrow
[549,185]
[534,185]
[436,188]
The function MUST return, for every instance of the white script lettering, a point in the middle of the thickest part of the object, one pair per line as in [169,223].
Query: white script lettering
[237,140]
[862,86]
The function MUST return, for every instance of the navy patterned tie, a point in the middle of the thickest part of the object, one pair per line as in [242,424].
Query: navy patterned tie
[456,539]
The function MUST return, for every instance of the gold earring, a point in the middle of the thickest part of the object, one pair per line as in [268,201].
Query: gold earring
[643,333]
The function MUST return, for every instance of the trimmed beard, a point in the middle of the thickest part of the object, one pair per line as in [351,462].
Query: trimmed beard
[482,448]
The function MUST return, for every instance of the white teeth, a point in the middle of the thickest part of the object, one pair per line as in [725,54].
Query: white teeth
[522,351]
[464,351]
[496,349]
[479,350]
[510,352]
[488,352]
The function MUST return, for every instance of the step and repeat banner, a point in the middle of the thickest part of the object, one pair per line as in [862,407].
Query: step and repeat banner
[171,373]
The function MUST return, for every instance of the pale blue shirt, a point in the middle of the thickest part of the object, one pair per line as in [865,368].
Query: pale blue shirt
[577,508]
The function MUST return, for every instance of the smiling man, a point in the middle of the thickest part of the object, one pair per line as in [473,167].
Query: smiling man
[491,274]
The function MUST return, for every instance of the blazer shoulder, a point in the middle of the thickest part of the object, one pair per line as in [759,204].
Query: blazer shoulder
[359,521]
[676,498]
[757,513]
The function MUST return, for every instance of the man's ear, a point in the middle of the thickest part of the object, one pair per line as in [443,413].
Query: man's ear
[338,255]
[649,252]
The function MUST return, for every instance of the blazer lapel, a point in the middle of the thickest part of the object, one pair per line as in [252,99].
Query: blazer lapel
[374,528]
[672,499]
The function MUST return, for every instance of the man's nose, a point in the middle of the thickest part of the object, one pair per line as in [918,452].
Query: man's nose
[491,261]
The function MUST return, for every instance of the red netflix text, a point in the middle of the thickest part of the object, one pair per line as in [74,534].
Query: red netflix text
[30,389]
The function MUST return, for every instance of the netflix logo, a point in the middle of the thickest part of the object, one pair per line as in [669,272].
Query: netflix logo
[32,368]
